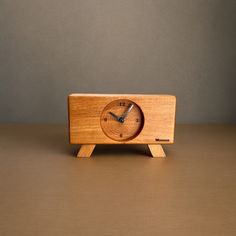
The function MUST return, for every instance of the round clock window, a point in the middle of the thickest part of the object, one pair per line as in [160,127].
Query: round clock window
[122,120]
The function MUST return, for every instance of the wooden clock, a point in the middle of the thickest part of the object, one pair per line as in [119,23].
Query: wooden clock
[121,119]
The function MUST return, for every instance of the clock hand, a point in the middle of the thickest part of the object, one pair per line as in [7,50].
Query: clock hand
[115,116]
[122,118]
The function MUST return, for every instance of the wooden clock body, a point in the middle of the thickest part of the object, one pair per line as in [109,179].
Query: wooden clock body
[94,119]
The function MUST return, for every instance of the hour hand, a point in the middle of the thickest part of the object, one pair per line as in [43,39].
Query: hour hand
[115,116]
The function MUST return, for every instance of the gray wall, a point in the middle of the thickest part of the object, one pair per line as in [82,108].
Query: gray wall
[50,48]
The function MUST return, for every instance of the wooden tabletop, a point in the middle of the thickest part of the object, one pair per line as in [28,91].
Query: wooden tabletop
[45,190]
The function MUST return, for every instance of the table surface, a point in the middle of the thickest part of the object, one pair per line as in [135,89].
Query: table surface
[45,190]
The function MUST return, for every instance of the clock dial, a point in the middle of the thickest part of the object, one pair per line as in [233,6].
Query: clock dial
[122,120]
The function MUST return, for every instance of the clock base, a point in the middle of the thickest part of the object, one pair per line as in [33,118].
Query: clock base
[86,150]
[156,150]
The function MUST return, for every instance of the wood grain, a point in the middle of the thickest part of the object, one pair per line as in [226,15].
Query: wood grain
[129,128]
[85,112]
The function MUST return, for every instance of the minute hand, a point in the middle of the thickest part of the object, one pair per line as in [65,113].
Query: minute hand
[122,118]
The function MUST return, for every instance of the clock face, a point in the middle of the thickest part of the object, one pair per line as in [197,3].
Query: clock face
[122,120]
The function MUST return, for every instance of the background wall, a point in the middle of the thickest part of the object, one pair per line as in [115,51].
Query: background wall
[50,48]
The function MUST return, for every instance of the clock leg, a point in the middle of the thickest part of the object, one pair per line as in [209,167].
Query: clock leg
[86,150]
[156,150]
